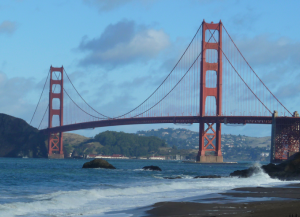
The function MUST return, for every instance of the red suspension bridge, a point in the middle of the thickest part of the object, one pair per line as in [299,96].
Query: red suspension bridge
[212,83]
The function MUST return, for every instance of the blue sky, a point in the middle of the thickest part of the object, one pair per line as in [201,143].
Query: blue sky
[36,34]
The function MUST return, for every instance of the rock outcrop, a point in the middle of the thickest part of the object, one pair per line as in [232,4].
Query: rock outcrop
[98,163]
[19,139]
[153,168]
[245,173]
[287,170]
[176,177]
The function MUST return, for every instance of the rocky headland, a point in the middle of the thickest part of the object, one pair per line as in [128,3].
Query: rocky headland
[287,170]
[19,139]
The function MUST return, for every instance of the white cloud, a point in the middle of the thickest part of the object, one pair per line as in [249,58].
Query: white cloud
[145,44]
[124,43]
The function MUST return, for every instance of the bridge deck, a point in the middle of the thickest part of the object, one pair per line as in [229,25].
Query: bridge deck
[167,119]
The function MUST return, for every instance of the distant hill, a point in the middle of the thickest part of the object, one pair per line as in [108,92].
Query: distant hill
[19,139]
[128,144]
[234,147]
[110,142]
[73,139]
[81,144]
[170,142]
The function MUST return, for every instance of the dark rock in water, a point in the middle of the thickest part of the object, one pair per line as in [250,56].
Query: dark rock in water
[245,173]
[287,170]
[207,177]
[272,168]
[177,177]
[98,163]
[153,168]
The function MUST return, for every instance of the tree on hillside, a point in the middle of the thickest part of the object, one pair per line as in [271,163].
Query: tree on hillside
[128,144]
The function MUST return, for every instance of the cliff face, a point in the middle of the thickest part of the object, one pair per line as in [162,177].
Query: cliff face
[19,139]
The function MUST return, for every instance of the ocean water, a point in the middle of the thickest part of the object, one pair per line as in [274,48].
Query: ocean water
[45,187]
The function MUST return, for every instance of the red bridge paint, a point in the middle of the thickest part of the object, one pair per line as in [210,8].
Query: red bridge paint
[212,83]
[55,139]
[208,132]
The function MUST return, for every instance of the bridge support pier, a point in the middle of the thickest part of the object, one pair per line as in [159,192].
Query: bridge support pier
[55,146]
[210,133]
[209,140]
[285,139]
[55,140]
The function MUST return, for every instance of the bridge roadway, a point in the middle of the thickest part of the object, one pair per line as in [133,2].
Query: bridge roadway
[165,120]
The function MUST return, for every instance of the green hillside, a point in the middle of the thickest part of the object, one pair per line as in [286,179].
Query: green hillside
[234,147]
[81,144]
[128,144]
[110,142]
[19,139]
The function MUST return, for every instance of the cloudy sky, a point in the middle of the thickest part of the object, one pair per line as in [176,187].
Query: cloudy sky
[118,51]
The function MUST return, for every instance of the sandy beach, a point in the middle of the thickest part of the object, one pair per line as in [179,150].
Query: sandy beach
[276,202]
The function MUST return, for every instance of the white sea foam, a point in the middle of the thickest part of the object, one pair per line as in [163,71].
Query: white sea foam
[98,201]
[141,170]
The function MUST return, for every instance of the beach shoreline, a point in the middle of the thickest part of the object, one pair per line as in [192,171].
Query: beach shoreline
[250,201]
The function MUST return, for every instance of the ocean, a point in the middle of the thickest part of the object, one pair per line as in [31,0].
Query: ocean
[48,187]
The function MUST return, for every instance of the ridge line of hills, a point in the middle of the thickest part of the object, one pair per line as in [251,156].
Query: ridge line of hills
[19,139]
[178,142]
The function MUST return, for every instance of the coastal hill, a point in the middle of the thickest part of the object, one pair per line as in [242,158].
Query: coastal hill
[172,142]
[79,144]
[19,139]
[110,142]
[234,147]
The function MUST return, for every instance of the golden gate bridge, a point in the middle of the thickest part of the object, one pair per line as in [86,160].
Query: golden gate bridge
[211,83]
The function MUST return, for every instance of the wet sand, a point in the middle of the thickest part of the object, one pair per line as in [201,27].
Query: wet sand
[278,202]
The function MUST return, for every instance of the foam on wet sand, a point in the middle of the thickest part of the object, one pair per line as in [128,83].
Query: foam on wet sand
[275,201]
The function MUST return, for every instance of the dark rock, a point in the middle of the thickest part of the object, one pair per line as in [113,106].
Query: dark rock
[98,163]
[177,177]
[272,168]
[207,177]
[245,173]
[287,170]
[153,168]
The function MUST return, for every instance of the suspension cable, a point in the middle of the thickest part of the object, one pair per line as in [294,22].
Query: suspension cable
[40,97]
[80,107]
[166,77]
[48,103]
[83,99]
[240,75]
[255,73]
[176,83]
[44,116]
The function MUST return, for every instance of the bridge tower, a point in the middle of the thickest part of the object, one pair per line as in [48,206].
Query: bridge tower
[55,140]
[210,133]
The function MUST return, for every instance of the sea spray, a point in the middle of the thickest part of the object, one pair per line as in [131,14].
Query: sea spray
[70,190]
